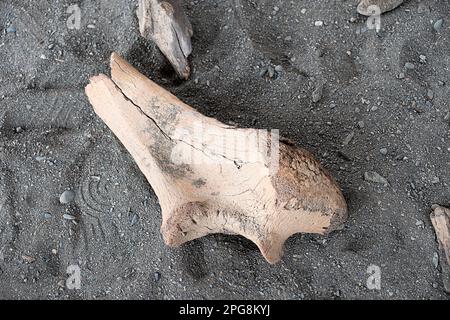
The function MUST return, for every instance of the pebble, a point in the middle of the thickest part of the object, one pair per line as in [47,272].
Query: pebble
[437,26]
[28,259]
[317,94]
[435,260]
[361,124]
[263,72]
[46,215]
[401,75]
[435,180]
[157,276]
[419,223]
[447,116]
[423,59]
[409,65]
[373,176]
[67,197]
[318,23]
[11,29]
[348,138]
[288,38]
[278,68]
[383,151]
[430,94]
[270,72]
[134,219]
[68,217]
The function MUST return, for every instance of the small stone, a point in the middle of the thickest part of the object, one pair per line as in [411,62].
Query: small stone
[51,46]
[373,176]
[409,65]
[270,72]
[435,260]
[67,197]
[361,124]
[430,94]
[18,129]
[401,75]
[288,38]
[11,29]
[419,223]
[46,215]
[437,26]
[40,158]
[28,259]
[303,11]
[435,180]
[68,217]
[91,26]
[317,94]
[318,23]
[383,151]
[278,68]
[423,59]
[134,219]
[157,276]
[263,72]
[348,138]
[447,116]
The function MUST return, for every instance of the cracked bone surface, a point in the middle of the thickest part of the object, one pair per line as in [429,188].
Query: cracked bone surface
[165,23]
[213,178]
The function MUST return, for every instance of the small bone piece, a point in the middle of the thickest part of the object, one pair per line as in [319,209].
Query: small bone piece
[165,22]
[440,218]
[213,178]
[365,6]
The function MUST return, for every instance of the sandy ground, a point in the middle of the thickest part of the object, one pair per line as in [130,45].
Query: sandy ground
[373,114]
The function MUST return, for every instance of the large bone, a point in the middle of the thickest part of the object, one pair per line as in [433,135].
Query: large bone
[213,178]
[165,22]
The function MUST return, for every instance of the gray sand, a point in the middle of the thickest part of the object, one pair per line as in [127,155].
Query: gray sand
[372,115]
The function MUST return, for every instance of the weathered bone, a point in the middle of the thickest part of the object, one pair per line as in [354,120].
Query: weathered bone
[165,22]
[365,7]
[211,177]
[440,218]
